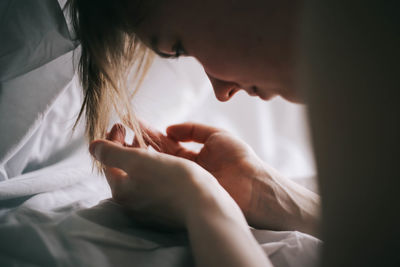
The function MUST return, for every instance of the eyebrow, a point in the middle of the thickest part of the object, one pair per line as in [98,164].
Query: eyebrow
[154,47]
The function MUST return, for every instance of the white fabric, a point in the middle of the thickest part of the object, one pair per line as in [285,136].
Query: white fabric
[65,227]
[37,114]
[50,213]
[33,33]
[35,70]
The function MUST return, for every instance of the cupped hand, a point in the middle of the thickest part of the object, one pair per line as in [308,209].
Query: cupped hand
[267,199]
[230,160]
[163,188]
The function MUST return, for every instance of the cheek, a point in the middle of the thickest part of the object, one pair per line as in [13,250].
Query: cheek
[228,59]
[225,68]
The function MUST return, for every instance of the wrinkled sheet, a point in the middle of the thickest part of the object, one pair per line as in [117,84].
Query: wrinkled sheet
[77,225]
[35,69]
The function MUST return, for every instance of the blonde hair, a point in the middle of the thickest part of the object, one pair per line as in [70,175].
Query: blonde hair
[111,54]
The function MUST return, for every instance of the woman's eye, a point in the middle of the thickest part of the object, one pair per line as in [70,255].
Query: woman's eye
[179,50]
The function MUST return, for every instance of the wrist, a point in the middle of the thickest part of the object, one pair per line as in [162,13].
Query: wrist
[281,204]
[219,234]
[210,201]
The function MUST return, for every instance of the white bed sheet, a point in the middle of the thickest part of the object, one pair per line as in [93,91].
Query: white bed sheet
[72,223]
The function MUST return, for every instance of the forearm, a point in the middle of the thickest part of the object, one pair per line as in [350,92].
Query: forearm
[306,208]
[219,236]
[282,204]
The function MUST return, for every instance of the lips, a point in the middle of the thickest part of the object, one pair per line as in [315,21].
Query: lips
[255,91]
[267,96]
[252,91]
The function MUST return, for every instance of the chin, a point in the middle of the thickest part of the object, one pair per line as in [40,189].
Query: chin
[295,99]
[266,94]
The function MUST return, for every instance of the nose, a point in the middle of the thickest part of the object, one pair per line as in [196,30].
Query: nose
[223,90]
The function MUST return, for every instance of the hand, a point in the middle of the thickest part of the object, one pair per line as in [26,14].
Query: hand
[160,187]
[267,199]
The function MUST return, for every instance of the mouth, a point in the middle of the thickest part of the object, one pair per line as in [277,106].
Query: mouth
[255,91]
[267,97]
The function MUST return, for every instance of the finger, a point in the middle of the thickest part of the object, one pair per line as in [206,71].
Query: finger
[156,139]
[191,132]
[185,153]
[147,139]
[114,155]
[135,143]
[165,144]
[169,146]
[117,134]
[152,136]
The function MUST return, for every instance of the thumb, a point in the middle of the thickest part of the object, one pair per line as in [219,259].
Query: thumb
[112,154]
[191,132]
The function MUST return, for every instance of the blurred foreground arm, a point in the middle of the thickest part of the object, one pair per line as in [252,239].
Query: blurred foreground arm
[351,70]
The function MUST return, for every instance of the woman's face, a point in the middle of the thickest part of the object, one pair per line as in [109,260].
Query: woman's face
[242,44]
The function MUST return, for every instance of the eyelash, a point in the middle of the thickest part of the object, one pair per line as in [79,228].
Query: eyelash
[179,50]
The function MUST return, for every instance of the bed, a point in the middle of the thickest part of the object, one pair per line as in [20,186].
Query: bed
[54,209]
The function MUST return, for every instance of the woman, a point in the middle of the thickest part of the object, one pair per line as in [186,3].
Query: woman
[243,45]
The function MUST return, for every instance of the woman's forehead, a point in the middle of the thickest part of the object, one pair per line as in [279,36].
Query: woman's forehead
[172,15]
